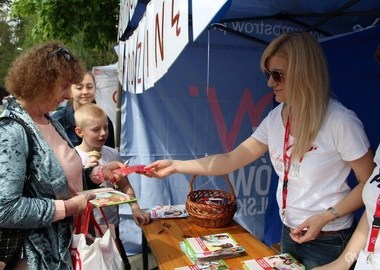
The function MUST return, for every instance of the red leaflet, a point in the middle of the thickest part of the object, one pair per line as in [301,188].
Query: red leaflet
[131,169]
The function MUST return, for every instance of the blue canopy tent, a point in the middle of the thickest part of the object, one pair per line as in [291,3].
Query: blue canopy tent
[215,95]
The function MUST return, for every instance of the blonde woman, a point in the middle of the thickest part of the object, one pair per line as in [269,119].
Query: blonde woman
[313,142]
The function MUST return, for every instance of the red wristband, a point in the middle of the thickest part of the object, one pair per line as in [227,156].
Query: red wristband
[99,175]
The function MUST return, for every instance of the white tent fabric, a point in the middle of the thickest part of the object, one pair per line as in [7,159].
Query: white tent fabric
[106,89]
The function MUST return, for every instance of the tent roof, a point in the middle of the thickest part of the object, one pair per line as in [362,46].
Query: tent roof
[247,8]
[323,16]
[327,17]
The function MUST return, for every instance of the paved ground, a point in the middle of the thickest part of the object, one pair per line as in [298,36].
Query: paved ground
[136,262]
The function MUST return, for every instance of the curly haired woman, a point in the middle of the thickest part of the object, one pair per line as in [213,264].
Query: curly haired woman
[38,197]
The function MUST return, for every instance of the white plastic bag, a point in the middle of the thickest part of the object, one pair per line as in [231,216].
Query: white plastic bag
[101,254]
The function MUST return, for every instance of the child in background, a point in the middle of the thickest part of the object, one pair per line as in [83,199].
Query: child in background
[81,93]
[92,128]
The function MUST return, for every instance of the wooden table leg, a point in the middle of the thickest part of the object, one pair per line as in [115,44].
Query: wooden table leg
[145,253]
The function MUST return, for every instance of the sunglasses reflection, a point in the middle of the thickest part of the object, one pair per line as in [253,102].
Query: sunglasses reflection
[277,76]
[62,52]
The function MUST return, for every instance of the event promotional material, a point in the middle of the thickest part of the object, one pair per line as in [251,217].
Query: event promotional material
[108,197]
[131,169]
[278,262]
[212,265]
[211,247]
[168,211]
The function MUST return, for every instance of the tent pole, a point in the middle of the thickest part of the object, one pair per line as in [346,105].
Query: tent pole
[118,117]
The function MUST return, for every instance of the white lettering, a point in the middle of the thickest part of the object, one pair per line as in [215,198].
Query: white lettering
[251,206]
[268,29]
[254,189]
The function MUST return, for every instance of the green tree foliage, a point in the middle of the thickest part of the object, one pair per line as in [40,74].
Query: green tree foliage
[89,28]
[9,40]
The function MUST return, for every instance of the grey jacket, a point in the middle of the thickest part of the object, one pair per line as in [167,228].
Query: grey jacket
[47,245]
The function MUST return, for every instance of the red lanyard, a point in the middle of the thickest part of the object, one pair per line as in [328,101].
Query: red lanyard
[287,160]
[375,227]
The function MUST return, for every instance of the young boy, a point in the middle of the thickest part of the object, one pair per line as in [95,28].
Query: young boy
[92,126]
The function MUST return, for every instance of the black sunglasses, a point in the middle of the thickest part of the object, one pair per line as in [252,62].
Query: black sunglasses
[277,76]
[62,52]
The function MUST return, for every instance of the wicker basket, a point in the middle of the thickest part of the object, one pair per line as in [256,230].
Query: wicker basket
[211,215]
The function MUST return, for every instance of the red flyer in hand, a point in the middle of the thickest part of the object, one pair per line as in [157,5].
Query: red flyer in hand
[131,169]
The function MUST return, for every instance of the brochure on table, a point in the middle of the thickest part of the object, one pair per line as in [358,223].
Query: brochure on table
[168,211]
[212,265]
[211,247]
[278,262]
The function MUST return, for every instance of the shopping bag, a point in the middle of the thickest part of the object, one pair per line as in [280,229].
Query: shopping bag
[90,253]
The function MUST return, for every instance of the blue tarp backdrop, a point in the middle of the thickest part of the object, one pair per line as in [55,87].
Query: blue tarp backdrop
[181,118]
[210,100]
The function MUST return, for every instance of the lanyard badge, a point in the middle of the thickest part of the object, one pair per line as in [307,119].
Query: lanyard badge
[287,160]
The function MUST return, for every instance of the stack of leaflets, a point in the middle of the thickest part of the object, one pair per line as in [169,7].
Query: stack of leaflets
[108,197]
[278,262]
[211,247]
[168,211]
[212,265]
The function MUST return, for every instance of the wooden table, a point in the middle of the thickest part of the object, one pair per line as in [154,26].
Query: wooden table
[163,237]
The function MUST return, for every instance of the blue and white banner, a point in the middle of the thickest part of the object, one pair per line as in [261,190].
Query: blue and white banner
[127,9]
[155,44]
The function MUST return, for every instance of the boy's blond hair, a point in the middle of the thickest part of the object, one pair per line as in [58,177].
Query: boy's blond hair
[86,113]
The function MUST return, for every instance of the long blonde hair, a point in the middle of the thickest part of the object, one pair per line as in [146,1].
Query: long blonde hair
[307,85]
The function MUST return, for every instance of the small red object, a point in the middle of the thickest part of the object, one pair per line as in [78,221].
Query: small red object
[131,169]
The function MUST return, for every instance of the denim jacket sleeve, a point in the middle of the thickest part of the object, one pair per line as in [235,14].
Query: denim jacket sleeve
[17,210]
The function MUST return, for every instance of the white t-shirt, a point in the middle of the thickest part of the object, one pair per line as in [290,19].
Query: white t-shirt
[320,180]
[108,154]
[371,192]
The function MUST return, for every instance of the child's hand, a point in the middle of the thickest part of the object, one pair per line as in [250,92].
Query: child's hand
[108,169]
[92,162]
[140,217]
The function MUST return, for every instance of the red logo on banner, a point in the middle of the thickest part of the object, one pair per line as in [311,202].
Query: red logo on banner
[254,111]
